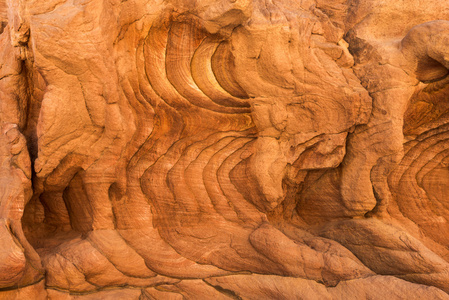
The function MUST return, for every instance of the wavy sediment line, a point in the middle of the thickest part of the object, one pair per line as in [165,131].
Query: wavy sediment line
[424,156]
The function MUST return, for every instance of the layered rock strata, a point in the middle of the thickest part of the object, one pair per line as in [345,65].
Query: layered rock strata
[244,149]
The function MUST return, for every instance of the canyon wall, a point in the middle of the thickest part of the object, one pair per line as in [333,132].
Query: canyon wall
[230,149]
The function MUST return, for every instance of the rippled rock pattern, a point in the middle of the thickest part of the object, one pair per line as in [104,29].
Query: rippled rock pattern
[230,149]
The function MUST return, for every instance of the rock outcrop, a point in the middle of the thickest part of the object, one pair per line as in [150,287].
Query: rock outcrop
[231,149]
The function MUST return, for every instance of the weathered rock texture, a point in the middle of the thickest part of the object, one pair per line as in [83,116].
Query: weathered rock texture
[230,149]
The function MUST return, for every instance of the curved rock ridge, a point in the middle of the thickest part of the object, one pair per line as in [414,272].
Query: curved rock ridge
[244,149]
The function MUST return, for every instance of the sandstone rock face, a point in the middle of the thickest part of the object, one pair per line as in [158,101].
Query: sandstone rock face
[230,149]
